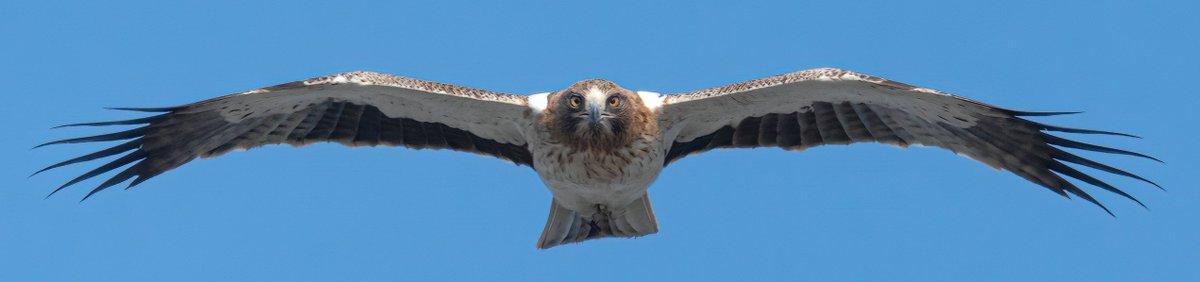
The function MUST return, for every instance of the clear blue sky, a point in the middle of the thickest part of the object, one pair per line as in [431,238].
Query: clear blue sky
[862,212]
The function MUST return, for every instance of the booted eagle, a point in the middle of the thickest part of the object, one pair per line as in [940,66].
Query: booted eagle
[598,146]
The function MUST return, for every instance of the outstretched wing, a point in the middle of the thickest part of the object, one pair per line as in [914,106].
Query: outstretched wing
[831,106]
[355,109]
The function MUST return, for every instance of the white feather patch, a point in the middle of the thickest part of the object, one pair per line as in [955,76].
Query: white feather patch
[594,95]
[652,100]
[538,102]
[340,79]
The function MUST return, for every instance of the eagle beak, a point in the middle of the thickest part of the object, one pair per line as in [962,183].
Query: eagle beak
[594,113]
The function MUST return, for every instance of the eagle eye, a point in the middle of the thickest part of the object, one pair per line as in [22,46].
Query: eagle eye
[575,101]
[614,101]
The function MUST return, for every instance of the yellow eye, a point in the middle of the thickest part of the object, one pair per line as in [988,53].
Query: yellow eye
[614,101]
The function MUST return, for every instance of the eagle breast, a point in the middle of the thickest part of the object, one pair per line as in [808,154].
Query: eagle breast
[598,144]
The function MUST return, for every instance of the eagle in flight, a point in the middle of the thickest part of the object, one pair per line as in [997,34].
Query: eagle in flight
[595,145]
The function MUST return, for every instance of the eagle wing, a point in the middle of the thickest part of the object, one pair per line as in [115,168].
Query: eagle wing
[814,107]
[355,109]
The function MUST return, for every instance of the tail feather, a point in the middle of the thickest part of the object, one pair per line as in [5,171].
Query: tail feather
[567,226]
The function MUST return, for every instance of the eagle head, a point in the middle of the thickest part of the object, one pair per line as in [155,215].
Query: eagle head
[596,114]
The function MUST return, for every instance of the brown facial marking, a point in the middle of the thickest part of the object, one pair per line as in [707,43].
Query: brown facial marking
[622,116]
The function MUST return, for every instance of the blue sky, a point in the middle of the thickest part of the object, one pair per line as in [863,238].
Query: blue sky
[861,212]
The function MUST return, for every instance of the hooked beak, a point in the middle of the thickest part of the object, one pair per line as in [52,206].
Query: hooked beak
[594,113]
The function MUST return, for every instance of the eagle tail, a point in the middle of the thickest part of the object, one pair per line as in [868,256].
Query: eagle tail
[567,226]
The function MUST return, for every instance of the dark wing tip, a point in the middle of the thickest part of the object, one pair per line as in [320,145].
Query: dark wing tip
[1059,154]
[1085,196]
[120,177]
[125,147]
[144,120]
[119,162]
[1081,130]
[128,134]
[1073,173]
[1055,140]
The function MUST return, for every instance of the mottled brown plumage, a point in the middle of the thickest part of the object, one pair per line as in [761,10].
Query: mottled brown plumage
[629,119]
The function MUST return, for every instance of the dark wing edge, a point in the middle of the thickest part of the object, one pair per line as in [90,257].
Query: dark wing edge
[1007,141]
[179,134]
